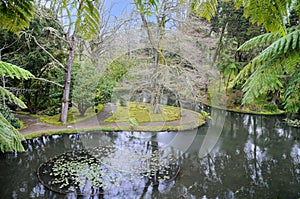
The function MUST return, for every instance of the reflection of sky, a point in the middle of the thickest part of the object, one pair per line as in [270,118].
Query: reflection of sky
[254,152]
[295,154]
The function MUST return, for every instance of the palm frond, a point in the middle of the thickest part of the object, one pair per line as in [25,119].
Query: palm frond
[10,138]
[13,71]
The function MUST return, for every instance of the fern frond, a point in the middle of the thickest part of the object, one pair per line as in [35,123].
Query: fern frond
[291,94]
[10,138]
[278,47]
[206,9]
[284,47]
[83,16]
[259,41]
[90,25]
[11,97]
[264,79]
[270,14]
[16,14]
[13,71]
[271,76]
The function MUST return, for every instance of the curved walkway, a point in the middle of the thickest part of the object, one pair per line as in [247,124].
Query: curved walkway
[189,120]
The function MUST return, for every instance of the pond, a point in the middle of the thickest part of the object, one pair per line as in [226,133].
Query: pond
[252,157]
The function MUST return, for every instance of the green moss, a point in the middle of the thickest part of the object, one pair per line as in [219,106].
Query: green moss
[143,112]
[22,125]
[245,109]
[132,123]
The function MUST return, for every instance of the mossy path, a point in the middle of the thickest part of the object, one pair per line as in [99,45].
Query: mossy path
[188,120]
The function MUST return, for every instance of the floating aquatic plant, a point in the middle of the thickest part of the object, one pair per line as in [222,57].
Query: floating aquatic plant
[106,168]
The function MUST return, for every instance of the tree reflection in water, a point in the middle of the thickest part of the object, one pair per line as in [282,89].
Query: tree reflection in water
[255,157]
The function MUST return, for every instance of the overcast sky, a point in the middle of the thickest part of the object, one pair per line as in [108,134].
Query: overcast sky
[120,6]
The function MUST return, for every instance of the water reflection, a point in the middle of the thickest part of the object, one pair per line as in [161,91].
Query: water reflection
[255,157]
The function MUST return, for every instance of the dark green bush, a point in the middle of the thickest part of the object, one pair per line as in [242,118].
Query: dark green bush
[9,116]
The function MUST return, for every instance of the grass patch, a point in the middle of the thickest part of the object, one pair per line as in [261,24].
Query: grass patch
[73,116]
[143,112]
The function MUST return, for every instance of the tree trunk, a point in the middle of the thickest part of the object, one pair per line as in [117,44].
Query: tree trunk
[67,82]
[155,87]
[217,53]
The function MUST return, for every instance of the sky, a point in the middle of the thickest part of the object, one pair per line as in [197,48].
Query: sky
[120,6]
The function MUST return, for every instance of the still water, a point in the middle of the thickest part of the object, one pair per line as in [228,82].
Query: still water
[250,157]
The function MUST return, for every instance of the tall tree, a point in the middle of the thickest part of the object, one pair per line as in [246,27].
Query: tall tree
[161,11]
[79,19]
[85,86]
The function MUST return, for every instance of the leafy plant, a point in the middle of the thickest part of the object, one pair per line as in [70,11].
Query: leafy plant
[275,68]
[84,87]
[15,14]
[10,138]
[108,81]
[9,116]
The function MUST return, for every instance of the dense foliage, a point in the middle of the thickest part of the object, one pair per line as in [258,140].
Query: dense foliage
[16,14]
[26,51]
[269,78]
[109,79]
[9,116]
[83,94]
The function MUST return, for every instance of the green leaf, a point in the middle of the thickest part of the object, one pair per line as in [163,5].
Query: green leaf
[16,14]
[13,71]
[10,138]
[133,121]
[12,98]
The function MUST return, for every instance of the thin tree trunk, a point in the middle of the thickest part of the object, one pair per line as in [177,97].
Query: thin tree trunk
[217,53]
[156,87]
[67,82]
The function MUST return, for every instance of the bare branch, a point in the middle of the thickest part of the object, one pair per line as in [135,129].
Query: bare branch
[58,62]
[48,81]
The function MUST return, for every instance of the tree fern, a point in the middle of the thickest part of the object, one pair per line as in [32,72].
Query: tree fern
[284,47]
[10,138]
